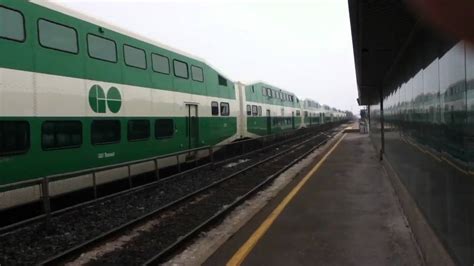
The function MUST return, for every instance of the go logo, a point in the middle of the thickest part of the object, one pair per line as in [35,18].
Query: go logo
[99,102]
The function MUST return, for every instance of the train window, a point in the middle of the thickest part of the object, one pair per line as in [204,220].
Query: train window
[101,48]
[225,109]
[264,91]
[164,128]
[180,69]
[196,74]
[61,134]
[12,26]
[221,80]
[105,131]
[138,130]
[58,37]
[160,63]
[134,57]
[259,111]
[14,137]
[298,113]
[254,110]
[215,108]
[305,113]
[253,89]
[269,92]
[249,109]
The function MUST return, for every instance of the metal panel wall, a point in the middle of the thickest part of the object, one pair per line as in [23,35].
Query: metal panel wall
[429,136]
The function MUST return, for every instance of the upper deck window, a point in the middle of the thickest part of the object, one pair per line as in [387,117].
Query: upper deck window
[12,25]
[180,69]
[269,92]
[160,63]
[134,57]
[221,80]
[58,37]
[196,73]
[101,48]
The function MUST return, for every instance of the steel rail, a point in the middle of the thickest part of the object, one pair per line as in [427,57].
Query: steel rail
[11,227]
[171,249]
[77,250]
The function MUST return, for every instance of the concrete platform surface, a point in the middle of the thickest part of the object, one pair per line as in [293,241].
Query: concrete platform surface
[346,214]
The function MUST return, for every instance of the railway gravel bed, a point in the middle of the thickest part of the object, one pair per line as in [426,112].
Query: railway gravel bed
[35,242]
[187,216]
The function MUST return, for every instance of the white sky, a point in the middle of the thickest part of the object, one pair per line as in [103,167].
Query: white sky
[301,46]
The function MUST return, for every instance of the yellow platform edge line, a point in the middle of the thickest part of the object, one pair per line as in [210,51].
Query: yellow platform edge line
[247,247]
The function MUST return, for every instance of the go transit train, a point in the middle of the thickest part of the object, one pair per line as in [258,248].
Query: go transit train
[77,93]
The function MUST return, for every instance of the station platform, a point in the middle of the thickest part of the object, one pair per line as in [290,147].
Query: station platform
[343,211]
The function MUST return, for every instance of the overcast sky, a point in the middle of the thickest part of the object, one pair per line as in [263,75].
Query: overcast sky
[301,46]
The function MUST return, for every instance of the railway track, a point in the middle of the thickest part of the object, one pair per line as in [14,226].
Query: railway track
[219,161]
[206,205]
[77,229]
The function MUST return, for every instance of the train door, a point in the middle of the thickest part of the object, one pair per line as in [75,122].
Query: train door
[192,125]
[321,118]
[269,122]
[293,120]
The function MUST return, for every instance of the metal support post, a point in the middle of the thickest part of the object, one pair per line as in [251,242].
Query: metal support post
[130,183]
[94,183]
[46,200]
[178,163]
[382,133]
[211,154]
[157,170]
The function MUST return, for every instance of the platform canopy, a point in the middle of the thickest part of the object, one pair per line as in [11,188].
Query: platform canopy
[380,30]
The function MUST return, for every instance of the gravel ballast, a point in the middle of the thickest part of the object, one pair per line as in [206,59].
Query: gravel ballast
[35,243]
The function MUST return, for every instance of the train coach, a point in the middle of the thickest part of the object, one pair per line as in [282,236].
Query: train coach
[77,94]
[267,109]
[312,113]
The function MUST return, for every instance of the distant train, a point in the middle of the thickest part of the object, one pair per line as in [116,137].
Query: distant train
[76,93]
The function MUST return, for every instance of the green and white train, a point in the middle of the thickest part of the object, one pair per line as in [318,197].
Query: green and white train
[76,93]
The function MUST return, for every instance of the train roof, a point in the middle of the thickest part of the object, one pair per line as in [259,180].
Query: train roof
[60,8]
[268,84]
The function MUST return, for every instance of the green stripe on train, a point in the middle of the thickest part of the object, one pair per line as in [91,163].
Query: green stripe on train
[37,162]
[261,126]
